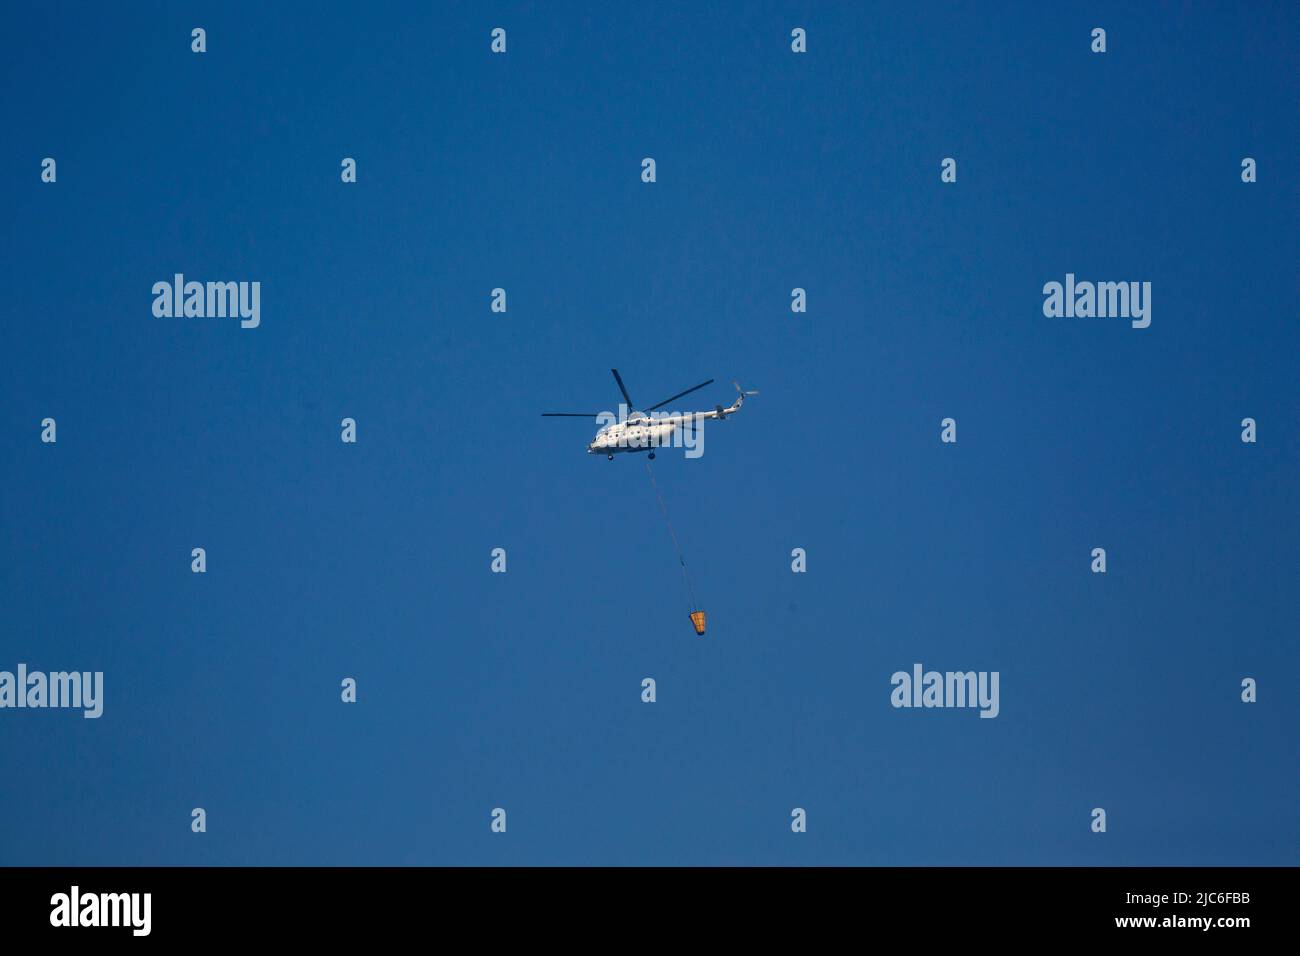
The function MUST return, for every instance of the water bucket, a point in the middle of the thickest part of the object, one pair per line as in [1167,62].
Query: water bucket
[697,618]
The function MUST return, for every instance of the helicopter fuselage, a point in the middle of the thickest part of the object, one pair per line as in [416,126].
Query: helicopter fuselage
[632,435]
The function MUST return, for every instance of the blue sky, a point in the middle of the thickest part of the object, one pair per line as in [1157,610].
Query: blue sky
[522,690]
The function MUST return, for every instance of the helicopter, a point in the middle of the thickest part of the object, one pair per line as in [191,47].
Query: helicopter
[641,431]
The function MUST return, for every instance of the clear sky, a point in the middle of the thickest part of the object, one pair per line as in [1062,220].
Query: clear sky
[523,690]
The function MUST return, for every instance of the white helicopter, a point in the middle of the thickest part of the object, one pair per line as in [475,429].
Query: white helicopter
[641,431]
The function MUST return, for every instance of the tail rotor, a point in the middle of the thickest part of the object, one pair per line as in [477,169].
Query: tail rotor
[741,393]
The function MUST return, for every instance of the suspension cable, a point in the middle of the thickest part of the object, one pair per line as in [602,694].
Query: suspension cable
[676,544]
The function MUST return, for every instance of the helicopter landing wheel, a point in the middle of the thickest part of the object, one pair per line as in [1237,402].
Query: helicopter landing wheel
[652,456]
[611,457]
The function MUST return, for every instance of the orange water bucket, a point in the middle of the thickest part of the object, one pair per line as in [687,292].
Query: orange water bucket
[697,618]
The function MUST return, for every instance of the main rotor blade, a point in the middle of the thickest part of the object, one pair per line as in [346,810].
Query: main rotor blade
[570,414]
[626,397]
[679,395]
